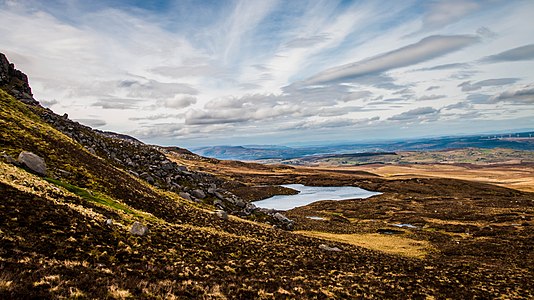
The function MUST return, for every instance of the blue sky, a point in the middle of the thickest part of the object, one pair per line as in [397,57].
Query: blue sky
[192,73]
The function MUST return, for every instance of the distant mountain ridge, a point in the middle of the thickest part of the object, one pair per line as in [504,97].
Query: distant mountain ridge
[516,141]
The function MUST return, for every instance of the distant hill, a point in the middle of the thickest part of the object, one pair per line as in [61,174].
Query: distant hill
[516,141]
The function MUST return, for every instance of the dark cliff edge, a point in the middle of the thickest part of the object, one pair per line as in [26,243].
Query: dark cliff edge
[15,82]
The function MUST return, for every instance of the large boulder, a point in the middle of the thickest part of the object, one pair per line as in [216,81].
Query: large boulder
[33,162]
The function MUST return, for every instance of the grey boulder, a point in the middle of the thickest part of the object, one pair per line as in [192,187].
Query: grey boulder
[327,248]
[33,162]
[138,229]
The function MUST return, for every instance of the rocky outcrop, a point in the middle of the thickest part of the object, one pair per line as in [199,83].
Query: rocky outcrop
[32,162]
[146,162]
[15,82]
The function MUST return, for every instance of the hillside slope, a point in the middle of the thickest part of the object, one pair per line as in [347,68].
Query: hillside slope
[111,219]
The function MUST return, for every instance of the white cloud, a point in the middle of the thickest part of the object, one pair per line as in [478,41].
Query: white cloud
[426,49]
[468,86]
[516,54]
[179,101]
[443,12]
[522,95]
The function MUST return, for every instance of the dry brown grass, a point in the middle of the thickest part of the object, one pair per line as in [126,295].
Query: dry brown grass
[117,293]
[6,282]
[391,244]
[519,177]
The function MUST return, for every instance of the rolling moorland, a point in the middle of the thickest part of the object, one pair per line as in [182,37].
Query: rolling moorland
[91,214]
[515,141]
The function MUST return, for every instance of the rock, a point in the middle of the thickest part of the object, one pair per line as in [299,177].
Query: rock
[185,195]
[251,207]
[289,226]
[198,194]
[240,203]
[33,162]
[218,203]
[281,218]
[109,222]
[15,82]
[8,159]
[167,166]
[212,189]
[138,229]
[147,177]
[219,195]
[181,168]
[327,248]
[221,214]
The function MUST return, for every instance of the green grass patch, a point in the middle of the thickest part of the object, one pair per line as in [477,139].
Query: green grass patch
[98,198]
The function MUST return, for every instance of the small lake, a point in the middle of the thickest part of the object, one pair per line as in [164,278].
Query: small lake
[309,194]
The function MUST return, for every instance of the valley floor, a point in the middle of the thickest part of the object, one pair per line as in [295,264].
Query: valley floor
[447,217]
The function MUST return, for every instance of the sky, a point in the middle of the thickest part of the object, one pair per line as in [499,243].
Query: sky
[195,73]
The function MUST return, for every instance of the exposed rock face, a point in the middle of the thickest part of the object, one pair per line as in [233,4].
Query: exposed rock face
[33,162]
[15,82]
[138,229]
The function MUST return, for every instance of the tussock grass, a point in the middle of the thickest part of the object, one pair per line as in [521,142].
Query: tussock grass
[391,244]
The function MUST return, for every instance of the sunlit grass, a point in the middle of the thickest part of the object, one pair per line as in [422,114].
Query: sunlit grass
[391,244]
[98,198]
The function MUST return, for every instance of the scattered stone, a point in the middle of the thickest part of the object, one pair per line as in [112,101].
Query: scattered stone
[109,222]
[91,150]
[240,203]
[181,168]
[405,225]
[218,203]
[281,218]
[198,194]
[63,172]
[185,195]
[33,162]
[167,166]
[8,159]
[389,231]
[221,214]
[147,177]
[138,229]
[327,248]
